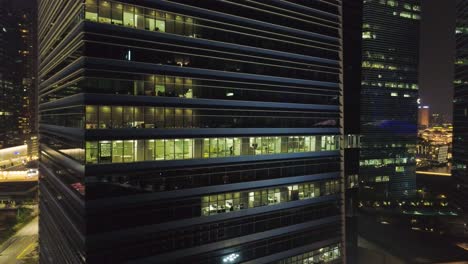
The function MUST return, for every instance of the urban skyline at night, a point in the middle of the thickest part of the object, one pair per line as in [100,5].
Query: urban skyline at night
[263,131]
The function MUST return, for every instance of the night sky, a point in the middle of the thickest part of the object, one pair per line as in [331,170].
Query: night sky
[436,55]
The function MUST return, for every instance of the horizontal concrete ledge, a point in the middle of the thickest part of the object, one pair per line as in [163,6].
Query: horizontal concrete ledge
[178,194]
[113,237]
[166,133]
[172,256]
[147,35]
[63,160]
[79,134]
[120,99]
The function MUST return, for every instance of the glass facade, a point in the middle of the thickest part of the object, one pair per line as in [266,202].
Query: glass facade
[170,129]
[390,50]
[229,202]
[112,117]
[189,177]
[139,84]
[322,255]
[127,15]
[198,27]
[168,240]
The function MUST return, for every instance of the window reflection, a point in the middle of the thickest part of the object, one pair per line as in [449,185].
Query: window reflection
[157,20]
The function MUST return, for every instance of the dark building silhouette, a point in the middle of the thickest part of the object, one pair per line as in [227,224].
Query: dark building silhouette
[191,131]
[17,72]
[352,46]
[389,94]
[460,112]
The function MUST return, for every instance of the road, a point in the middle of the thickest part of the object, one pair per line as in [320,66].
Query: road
[11,163]
[17,176]
[436,171]
[21,244]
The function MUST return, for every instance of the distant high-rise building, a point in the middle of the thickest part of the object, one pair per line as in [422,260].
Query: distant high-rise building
[17,72]
[436,119]
[423,116]
[460,110]
[389,94]
[191,131]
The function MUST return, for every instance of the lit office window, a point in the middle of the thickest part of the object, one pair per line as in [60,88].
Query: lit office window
[118,151]
[91,11]
[321,255]
[128,19]
[138,17]
[235,201]
[105,12]
[117,14]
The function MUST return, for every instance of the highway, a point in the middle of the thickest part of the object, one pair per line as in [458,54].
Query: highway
[443,174]
[20,245]
[18,176]
[436,171]
[11,163]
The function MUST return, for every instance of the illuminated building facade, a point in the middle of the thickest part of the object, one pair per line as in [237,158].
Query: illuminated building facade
[435,145]
[17,71]
[389,94]
[423,116]
[190,131]
[460,111]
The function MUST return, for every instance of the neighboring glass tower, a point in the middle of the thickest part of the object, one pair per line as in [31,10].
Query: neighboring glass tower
[389,94]
[190,131]
[17,71]
[460,110]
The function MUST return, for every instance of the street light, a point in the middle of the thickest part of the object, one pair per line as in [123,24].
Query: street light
[231,258]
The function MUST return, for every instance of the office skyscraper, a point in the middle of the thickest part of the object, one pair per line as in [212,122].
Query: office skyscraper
[460,110]
[190,131]
[17,71]
[389,110]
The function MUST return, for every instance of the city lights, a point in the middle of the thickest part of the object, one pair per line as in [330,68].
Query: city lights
[231,258]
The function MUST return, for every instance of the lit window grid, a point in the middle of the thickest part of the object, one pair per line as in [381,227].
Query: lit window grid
[123,151]
[235,201]
[104,117]
[109,12]
[151,85]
